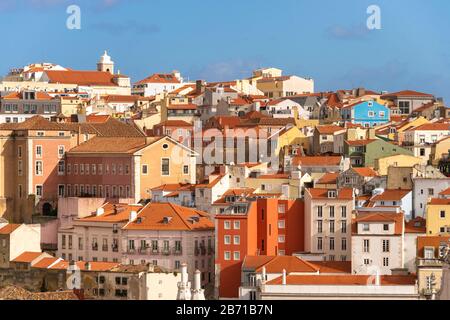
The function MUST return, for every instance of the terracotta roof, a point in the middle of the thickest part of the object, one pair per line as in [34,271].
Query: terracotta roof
[407,93]
[328,178]
[175,123]
[344,280]
[416,225]
[322,193]
[113,213]
[121,98]
[174,187]
[439,126]
[44,263]
[439,201]
[81,78]
[34,123]
[95,118]
[273,176]
[445,192]
[110,145]
[329,129]
[159,78]
[360,142]
[333,266]
[9,228]
[276,264]
[210,184]
[391,195]
[39,95]
[27,257]
[189,106]
[365,171]
[317,160]
[94,265]
[430,241]
[237,192]
[382,216]
[153,216]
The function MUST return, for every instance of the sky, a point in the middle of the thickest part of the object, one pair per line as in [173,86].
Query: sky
[326,40]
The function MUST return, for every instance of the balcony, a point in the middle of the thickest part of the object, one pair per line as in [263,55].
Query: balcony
[105,248]
[95,247]
[115,248]
[131,250]
[210,250]
[429,262]
[196,251]
[165,251]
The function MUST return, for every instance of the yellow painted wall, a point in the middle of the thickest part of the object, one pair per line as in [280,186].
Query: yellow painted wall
[382,164]
[434,220]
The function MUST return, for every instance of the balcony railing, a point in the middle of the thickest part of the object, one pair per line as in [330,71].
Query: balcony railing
[105,248]
[210,250]
[429,262]
[115,248]
[131,250]
[95,247]
[177,251]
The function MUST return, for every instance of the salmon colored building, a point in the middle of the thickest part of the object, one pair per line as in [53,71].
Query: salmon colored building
[270,227]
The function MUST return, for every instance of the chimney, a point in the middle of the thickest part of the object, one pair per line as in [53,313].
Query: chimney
[87,266]
[133,215]
[199,86]
[283,279]
[377,278]
[100,211]
[197,292]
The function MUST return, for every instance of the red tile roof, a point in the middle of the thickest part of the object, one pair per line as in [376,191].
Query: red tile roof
[416,225]
[328,178]
[430,241]
[322,193]
[329,129]
[317,160]
[276,264]
[344,280]
[360,142]
[152,217]
[407,93]
[27,257]
[432,127]
[365,171]
[382,216]
[9,228]
[159,78]
[112,213]
[182,107]
[81,78]
[391,195]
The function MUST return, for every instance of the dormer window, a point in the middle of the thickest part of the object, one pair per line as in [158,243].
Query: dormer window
[166,220]
[370,103]
[332,193]
[139,220]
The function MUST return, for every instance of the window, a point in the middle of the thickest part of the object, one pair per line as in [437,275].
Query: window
[366,227]
[236,240]
[331,243]
[94,169]
[19,152]
[385,262]
[429,253]
[144,169]
[185,169]
[19,168]
[165,167]
[319,226]
[61,167]
[344,244]
[237,256]
[344,226]
[319,211]
[319,244]
[281,239]
[366,245]
[371,114]
[38,168]
[38,151]
[344,211]
[404,107]
[385,244]
[281,224]
[332,226]
[237,225]
[227,255]
[430,191]
[61,190]
[227,239]
[281,208]
[39,190]
[61,151]
[366,262]
[227,225]
[81,168]
[442,214]
[385,227]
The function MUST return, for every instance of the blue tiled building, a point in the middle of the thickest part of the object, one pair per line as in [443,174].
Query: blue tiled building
[366,113]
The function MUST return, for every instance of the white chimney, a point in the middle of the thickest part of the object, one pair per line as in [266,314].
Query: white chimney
[184,286]
[283,280]
[100,211]
[197,292]
[133,215]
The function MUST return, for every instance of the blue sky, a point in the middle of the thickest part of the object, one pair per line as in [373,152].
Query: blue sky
[224,40]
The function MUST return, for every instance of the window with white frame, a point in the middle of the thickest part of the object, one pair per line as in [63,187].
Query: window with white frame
[236,240]
[227,255]
[281,238]
[38,168]
[38,151]
[281,224]
[227,225]
[236,256]
[39,190]
[61,151]
[227,239]
[61,167]
[236,225]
